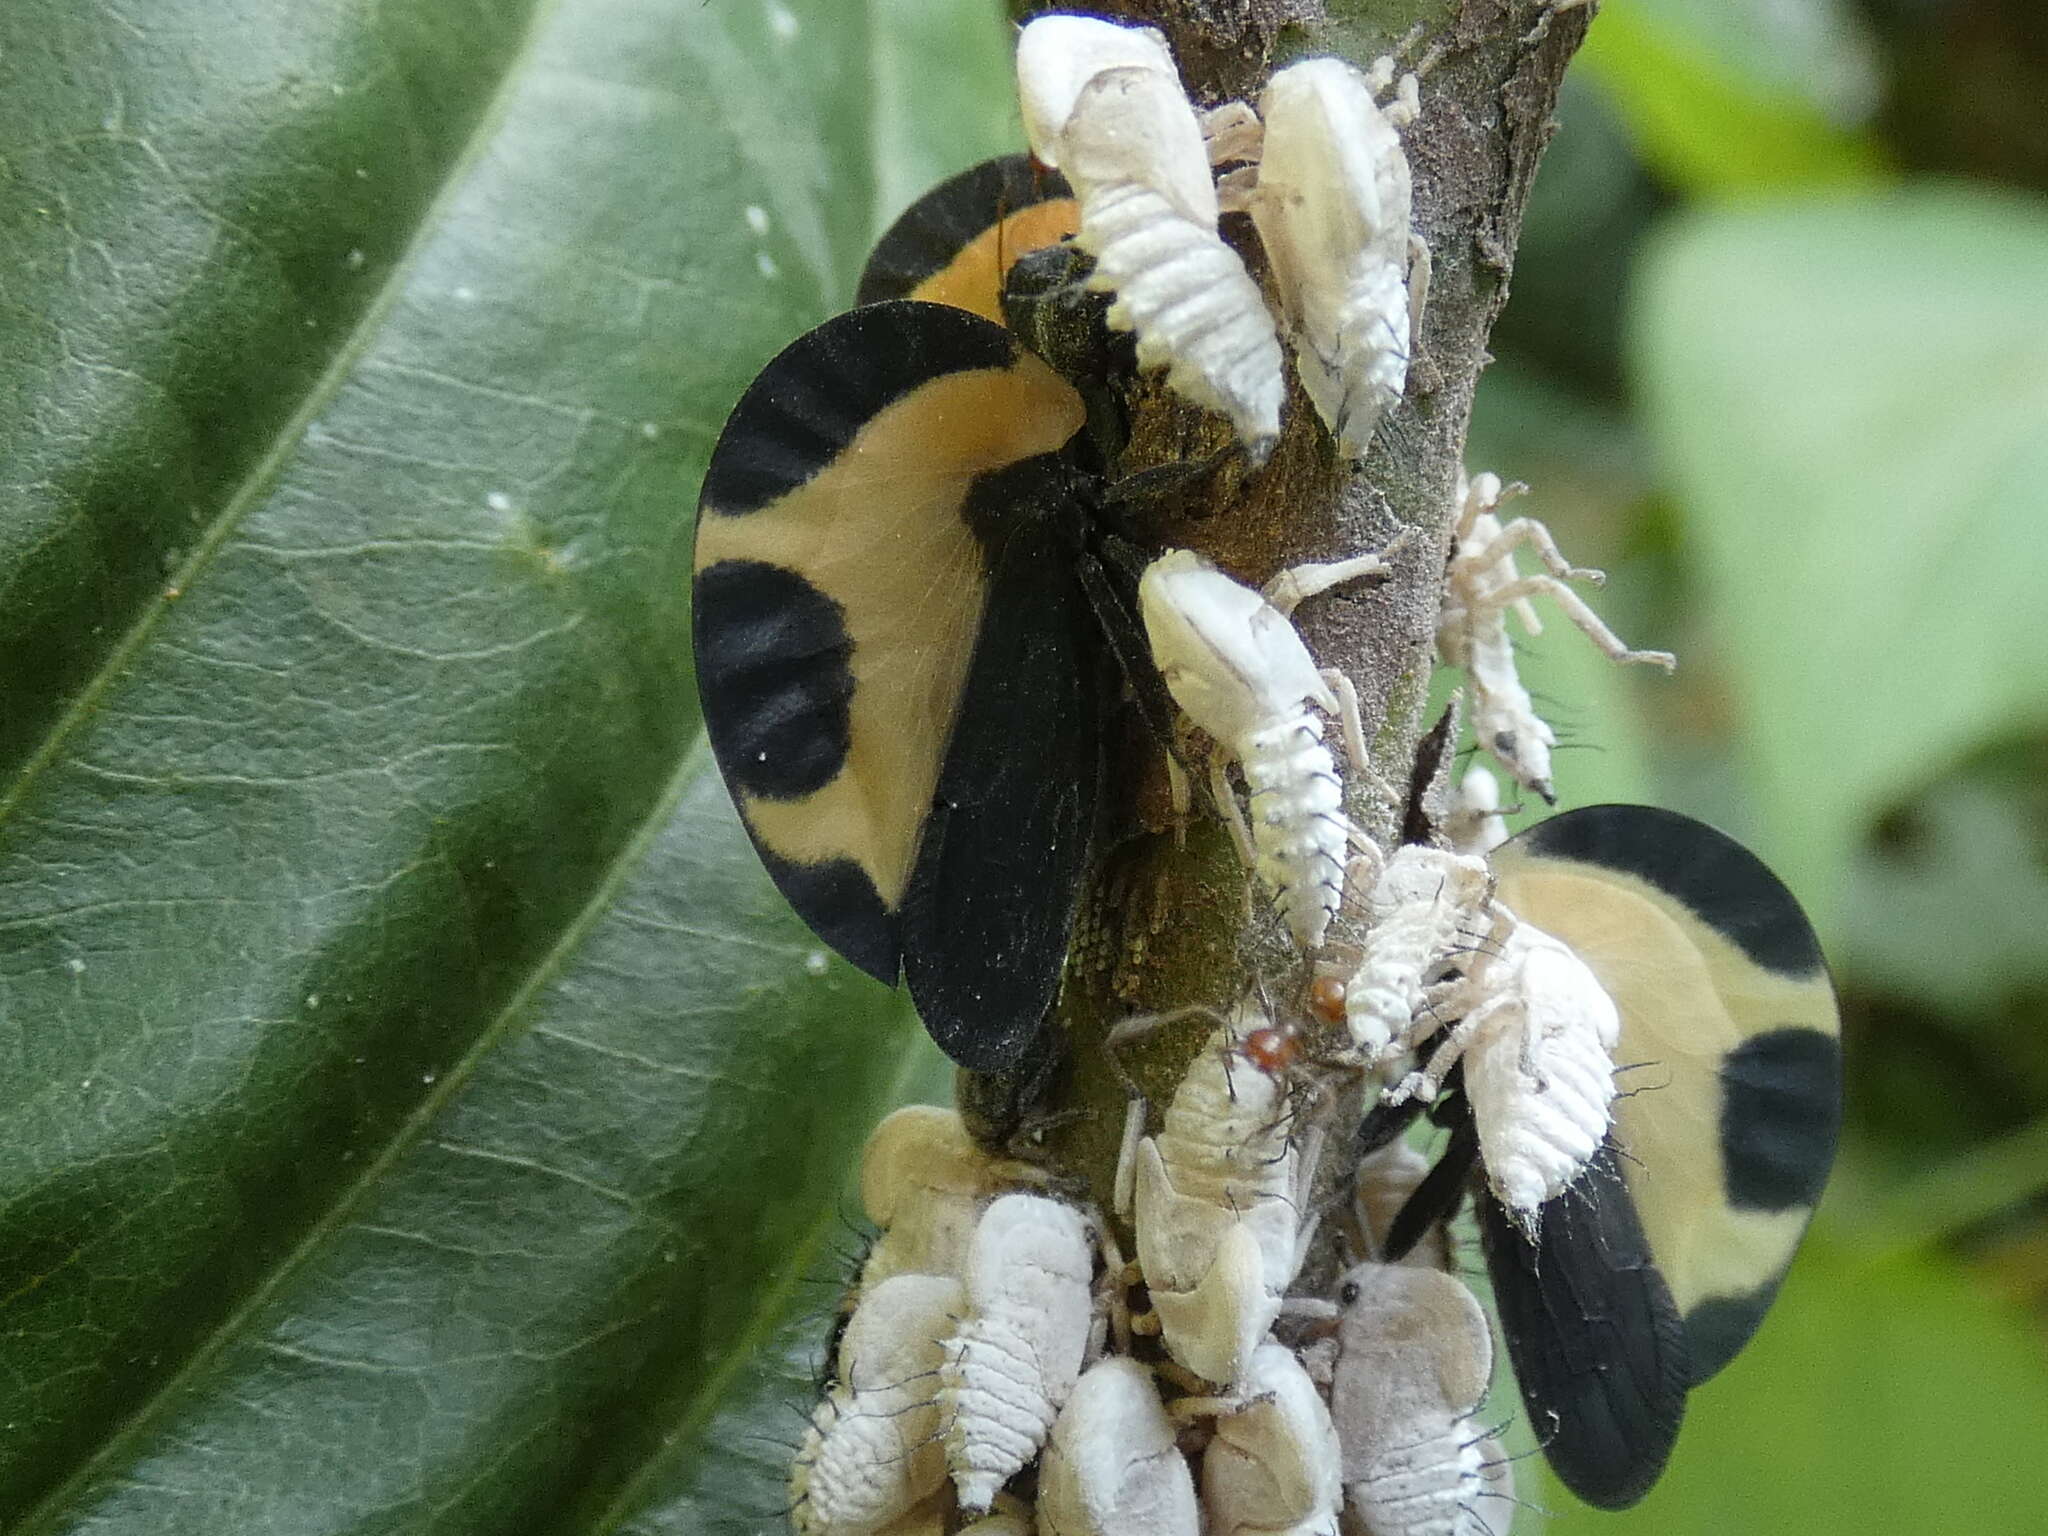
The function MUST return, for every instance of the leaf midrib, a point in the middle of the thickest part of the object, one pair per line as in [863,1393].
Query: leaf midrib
[691,764]
[263,474]
[700,1407]
[358,1193]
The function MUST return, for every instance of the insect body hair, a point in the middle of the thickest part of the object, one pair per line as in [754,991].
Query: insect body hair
[1428,1487]
[871,1452]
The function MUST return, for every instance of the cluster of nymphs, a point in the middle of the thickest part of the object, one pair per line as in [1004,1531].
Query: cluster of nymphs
[987,1378]
[921,608]
[1323,176]
[1004,1369]
[1239,670]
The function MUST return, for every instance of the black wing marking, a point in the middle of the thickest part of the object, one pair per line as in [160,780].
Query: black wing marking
[1435,1199]
[947,246]
[773,663]
[1383,1122]
[991,902]
[1781,1116]
[804,409]
[1599,1350]
[1721,882]
[773,672]
[838,593]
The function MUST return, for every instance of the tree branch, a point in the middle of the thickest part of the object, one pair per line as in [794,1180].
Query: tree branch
[1173,922]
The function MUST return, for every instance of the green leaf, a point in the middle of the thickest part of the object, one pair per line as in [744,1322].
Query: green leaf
[1823,52]
[412,1085]
[1944,1202]
[1713,124]
[1849,397]
[1883,1394]
[733,1472]
[943,92]
[1973,850]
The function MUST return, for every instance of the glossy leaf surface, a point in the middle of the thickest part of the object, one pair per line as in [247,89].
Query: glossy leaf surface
[418,1105]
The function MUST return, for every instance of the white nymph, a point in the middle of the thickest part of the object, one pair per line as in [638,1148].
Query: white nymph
[1473,822]
[1235,663]
[871,1453]
[1480,587]
[1275,1467]
[1424,909]
[925,1182]
[1019,1347]
[1104,105]
[1216,1200]
[1537,1034]
[1112,1468]
[1414,1359]
[1331,197]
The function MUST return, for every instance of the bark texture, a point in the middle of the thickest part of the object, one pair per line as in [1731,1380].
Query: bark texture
[1173,919]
